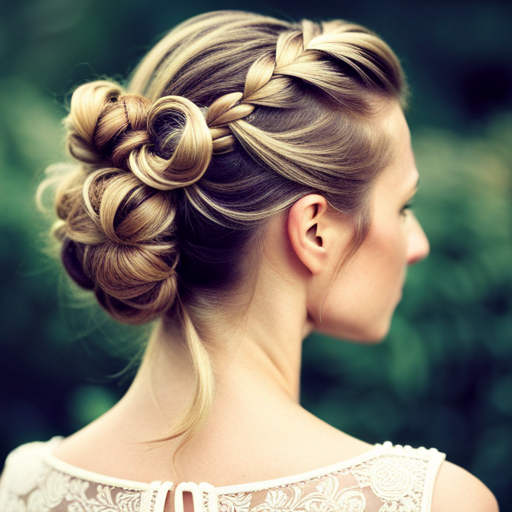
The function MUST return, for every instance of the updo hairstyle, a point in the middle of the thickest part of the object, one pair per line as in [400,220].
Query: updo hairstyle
[228,120]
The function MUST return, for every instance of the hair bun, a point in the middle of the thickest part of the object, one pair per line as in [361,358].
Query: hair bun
[105,124]
[166,145]
[119,240]
[182,147]
[91,131]
[72,263]
[118,231]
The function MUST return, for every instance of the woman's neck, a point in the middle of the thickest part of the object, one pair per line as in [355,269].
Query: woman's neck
[256,357]
[255,348]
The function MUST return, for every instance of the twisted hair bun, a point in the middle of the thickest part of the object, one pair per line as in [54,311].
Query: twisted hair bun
[119,228]
[166,144]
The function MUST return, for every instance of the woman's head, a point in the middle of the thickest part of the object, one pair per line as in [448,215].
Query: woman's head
[229,120]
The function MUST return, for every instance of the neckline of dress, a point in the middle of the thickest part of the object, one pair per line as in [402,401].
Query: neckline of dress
[91,476]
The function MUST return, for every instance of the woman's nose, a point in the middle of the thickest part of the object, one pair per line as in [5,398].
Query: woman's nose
[418,245]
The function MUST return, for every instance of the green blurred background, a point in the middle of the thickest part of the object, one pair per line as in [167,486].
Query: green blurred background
[442,378]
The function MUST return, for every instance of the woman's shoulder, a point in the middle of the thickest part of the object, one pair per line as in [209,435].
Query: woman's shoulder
[34,480]
[458,490]
[393,473]
[26,462]
[24,467]
[443,486]
[29,458]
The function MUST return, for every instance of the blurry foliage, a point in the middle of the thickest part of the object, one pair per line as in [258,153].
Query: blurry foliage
[443,377]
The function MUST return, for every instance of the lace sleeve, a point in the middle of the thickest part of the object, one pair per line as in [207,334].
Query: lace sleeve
[396,479]
[29,484]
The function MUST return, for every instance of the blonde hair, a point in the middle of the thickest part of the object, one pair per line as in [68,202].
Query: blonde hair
[229,119]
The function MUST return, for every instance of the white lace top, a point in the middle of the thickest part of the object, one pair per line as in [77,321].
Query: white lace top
[386,479]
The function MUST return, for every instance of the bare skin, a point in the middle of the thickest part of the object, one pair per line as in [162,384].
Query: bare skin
[257,429]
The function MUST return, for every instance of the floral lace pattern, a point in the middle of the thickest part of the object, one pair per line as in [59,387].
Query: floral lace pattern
[387,479]
[327,498]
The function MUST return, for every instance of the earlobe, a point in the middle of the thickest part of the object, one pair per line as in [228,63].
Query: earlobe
[305,225]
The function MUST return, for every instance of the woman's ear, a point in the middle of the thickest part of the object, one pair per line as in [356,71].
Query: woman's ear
[307,221]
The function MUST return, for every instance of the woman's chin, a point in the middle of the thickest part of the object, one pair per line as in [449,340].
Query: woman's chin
[368,334]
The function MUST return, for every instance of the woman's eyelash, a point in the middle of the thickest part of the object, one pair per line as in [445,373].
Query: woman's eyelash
[406,207]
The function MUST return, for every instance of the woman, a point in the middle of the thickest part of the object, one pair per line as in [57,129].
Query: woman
[250,185]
